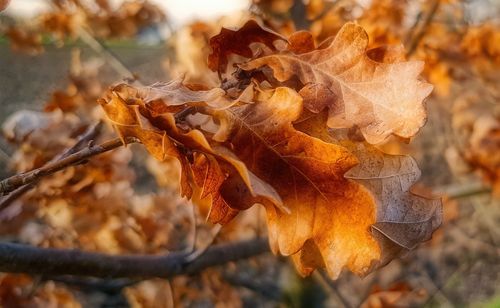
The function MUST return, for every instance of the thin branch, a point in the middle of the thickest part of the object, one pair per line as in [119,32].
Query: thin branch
[459,191]
[99,47]
[329,286]
[413,44]
[89,135]
[298,15]
[414,27]
[10,184]
[16,258]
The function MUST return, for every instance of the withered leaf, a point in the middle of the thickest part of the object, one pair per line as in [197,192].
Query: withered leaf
[380,98]
[238,42]
[24,41]
[209,178]
[175,93]
[404,219]
[205,171]
[331,213]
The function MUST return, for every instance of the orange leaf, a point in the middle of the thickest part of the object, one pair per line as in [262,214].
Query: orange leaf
[332,214]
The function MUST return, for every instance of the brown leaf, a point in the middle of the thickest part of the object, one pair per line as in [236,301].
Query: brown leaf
[380,98]
[404,219]
[330,213]
[206,172]
[238,42]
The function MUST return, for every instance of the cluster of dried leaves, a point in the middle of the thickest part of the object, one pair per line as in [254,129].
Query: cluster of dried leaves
[292,127]
[70,17]
[461,59]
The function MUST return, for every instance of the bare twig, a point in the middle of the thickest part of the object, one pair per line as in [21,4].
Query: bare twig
[413,28]
[298,15]
[99,47]
[18,258]
[10,184]
[464,190]
[413,44]
[329,286]
[89,134]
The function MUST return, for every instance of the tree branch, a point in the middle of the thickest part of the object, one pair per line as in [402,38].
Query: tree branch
[16,181]
[87,136]
[18,258]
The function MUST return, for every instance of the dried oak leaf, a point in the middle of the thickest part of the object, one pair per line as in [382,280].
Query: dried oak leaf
[332,214]
[238,42]
[206,171]
[380,98]
[404,218]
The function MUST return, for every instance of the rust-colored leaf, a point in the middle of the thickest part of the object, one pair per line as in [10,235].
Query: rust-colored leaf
[238,42]
[24,41]
[301,42]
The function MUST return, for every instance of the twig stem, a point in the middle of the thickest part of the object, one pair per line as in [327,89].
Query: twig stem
[423,29]
[90,134]
[10,184]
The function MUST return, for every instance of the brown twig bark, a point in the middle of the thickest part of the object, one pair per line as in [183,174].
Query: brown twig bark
[90,134]
[10,184]
[27,259]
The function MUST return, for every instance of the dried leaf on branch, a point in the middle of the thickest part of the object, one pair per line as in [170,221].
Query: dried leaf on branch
[321,209]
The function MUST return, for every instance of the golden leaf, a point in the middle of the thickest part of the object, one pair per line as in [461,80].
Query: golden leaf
[332,214]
